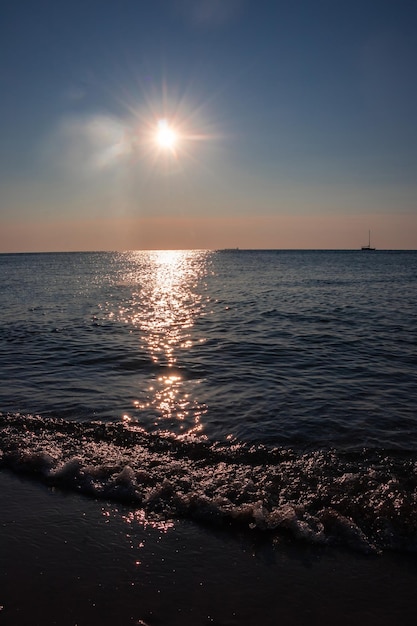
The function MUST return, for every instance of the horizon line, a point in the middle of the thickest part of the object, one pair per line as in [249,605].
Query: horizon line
[235,249]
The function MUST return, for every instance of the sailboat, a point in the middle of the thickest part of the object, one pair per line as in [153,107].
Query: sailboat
[368,247]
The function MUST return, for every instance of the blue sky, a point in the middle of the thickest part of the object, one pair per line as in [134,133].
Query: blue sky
[298,124]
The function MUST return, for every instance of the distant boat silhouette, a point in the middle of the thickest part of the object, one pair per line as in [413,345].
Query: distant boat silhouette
[368,247]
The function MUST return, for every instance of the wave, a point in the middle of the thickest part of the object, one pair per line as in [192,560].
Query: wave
[365,499]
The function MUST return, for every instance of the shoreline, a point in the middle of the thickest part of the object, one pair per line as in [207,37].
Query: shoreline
[74,561]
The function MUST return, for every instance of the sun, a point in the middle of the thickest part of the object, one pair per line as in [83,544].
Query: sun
[166,137]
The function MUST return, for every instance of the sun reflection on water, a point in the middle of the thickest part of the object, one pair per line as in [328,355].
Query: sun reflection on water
[136,521]
[168,293]
[166,300]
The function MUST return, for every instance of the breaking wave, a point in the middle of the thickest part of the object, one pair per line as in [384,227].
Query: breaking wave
[365,499]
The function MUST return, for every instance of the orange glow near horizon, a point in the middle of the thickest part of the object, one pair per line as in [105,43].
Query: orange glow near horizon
[392,232]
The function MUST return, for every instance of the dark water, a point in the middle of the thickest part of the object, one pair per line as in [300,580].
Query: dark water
[269,390]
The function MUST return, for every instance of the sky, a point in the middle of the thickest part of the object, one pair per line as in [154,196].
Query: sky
[294,122]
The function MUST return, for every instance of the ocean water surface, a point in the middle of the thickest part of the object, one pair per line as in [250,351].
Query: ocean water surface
[270,391]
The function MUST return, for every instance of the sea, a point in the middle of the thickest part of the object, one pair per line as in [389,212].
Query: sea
[246,407]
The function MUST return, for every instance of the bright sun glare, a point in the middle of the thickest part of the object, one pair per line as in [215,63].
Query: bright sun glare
[114,142]
[166,137]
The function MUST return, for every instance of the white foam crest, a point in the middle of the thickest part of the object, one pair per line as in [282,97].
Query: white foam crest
[367,501]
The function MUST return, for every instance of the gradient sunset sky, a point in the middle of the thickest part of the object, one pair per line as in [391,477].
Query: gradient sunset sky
[296,123]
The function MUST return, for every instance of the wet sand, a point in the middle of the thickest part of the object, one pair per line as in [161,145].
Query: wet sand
[73,561]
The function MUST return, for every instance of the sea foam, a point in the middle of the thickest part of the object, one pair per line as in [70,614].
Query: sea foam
[366,499]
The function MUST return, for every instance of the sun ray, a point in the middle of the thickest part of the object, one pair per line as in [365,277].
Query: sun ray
[164,132]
